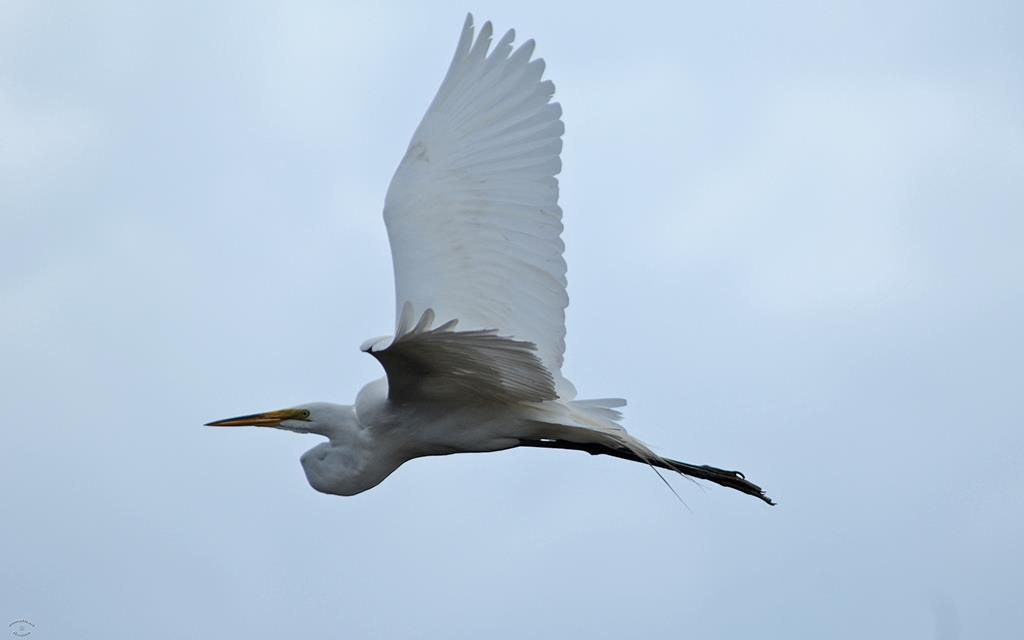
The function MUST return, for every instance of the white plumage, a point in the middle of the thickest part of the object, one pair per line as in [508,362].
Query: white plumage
[474,224]
[472,211]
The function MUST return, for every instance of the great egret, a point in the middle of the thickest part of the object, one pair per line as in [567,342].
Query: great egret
[475,363]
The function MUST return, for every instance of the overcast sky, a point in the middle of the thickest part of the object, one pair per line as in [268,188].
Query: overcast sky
[794,235]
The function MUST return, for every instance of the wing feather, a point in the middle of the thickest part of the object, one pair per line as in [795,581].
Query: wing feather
[475,228]
[445,365]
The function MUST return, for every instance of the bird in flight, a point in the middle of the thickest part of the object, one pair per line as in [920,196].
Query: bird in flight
[476,358]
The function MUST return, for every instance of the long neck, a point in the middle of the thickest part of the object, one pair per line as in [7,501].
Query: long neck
[351,461]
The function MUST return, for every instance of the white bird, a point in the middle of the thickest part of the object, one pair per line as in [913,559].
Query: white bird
[475,362]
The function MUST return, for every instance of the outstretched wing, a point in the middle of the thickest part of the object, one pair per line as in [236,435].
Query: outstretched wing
[473,218]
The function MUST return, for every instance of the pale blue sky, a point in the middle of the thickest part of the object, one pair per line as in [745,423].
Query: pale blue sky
[794,240]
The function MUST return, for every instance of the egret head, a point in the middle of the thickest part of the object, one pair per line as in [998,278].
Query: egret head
[345,465]
[318,417]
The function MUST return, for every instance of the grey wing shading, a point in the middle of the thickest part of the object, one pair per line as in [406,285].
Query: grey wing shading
[444,365]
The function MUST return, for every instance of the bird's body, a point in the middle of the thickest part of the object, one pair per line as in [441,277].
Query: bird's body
[377,437]
[359,455]
[475,361]
[369,440]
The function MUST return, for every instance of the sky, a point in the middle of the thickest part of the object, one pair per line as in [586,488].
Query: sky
[794,242]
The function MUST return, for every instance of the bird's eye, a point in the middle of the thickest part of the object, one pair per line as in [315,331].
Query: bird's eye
[305,413]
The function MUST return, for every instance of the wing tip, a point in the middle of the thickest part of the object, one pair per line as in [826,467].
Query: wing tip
[368,345]
[486,31]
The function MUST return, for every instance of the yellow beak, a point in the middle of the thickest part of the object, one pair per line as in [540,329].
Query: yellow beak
[268,419]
